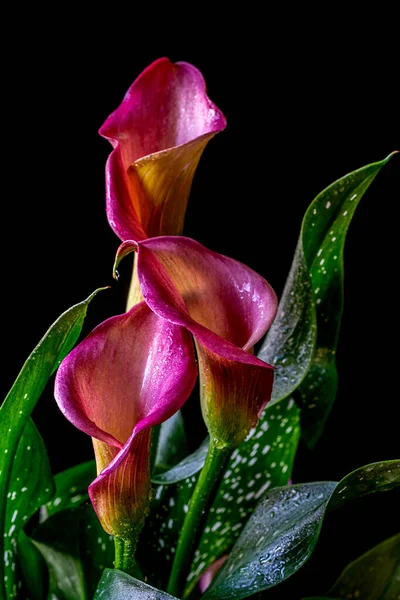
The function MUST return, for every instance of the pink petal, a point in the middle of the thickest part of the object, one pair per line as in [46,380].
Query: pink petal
[158,133]
[132,372]
[224,295]
[228,308]
[166,106]
[120,494]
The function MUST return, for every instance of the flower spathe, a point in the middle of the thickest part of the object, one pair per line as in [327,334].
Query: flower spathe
[132,372]
[158,132]
[227,307]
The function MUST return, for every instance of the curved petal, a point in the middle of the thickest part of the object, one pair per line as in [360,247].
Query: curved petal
[121,211]
[233,393]
[159,133]
[132,372]
[121,493]
[227,307]
[224,295]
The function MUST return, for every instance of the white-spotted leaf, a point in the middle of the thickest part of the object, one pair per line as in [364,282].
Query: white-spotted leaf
[71,489]
[262,462]
[283,530]
[31,484]
[23,396]
[302,341]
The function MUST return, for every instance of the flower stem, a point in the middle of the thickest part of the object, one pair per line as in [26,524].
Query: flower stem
[203,496]
[125,557]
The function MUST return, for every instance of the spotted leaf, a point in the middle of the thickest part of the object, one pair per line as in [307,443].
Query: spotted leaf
[262,462]
[23,396]
[302,341]
[33,571]
[31,484]
[71,489]
[158,540]
[76,550]
[62,555]
[282,532]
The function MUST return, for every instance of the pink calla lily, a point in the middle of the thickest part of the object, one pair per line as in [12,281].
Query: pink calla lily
[137,369]
[158,133]
[132,372]
[227,307]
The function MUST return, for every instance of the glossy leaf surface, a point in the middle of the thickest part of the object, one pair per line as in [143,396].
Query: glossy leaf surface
[23,396]
[33,570]
[31,484]
[71,488]
[171,443]
[302,341]
[116,585]
[158,540]
[76,550]
[187,467]
[67,580]
[262,462]
[282,532]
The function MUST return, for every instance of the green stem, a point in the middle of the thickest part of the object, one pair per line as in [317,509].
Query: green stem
[203,496]
[125,557]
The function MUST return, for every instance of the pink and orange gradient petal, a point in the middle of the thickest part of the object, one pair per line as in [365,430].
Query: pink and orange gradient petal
[227,307]
[158,132]
[132,372]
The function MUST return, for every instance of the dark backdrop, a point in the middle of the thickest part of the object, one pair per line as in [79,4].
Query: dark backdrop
[300,115]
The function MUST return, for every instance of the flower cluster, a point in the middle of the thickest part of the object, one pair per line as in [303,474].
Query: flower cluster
[192,312]
[224,521]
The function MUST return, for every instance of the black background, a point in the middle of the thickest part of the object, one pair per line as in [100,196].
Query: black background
[304,107]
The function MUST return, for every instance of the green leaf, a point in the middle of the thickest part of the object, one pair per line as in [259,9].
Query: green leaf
[373,576]
[23,396]
[71,488]
[76,550]
[262,462]
[283,530]
[96,548]
[62,555]
[172,445]
[376,477]
[162,527]
[161,531]
[158,540]
[116,585]
[31,484]
[290,342]
[189,466]
[302,341]
[33,568]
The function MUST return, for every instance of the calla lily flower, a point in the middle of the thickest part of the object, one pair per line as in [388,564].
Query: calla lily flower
[132,372]
[158,133]
[227,307]
[136,370]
